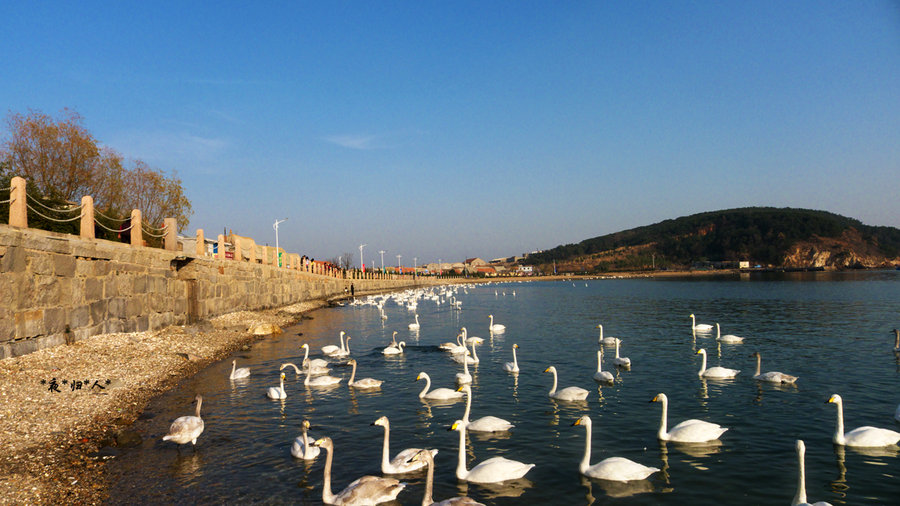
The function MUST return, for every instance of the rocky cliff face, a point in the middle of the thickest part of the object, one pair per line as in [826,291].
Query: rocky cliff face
[849,251]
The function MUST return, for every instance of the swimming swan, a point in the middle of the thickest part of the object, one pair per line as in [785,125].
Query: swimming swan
[605,340]
[277,392]
[688,431]
[414,326]
[714,372]
[727,338]
[601,375]
[621,361]
[514,365]
[700,327]
[612,468]
[243,372]
[316,363]
[491,470]
[303,448]
[426,456]
[464,377]
[495,328]
[364,491]
[862,436]
[800,496]
[438,394]
[401,462]
[396,349]
[771,376]
[471,358]
[320,381]
[186,429]
[362,383]
[332,350]
[485,423]
[451,347]
[298,371]
[568,393]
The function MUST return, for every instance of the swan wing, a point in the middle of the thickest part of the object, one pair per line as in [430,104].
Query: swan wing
[330,349]
[498,469]
[324,381]
[604,376]
[871,436]
[444,393]
[185,429]
[619,469]
[775,377]
[571,394]
[720,372]
[243,372]
[369,490]
[489,424]
[401,462]
[298,450]
[696,431]
[367,383]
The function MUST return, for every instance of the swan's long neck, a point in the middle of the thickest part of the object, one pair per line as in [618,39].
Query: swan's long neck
[515,361]
[233,367]
[429,479]
[308,374]
[281,383]
[617,348]
[342,341]
[465,366]
[718,332]
[474,353]
[800,496]
[601,332]
[599,360]
[305,440]
[492,321]
[385,446]
[553,390]
[352,374]
[400,345]
[703,364]
[199,403]
[758,364]
[586,460]
[305,354]
[664,420]
[327,496]
[693,322]
[427,386]
[468,392]
[461,471]
[839,431]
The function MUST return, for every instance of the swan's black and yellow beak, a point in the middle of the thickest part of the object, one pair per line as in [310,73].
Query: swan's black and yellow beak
[547,370]
[830,399]
[655,398]
[576,422]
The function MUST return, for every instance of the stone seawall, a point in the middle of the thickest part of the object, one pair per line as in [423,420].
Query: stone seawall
[57,288]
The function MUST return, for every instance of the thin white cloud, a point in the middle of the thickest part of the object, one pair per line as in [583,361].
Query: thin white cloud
[158,146]
[362,142]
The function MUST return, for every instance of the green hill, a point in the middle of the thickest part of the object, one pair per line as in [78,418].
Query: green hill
[776,237]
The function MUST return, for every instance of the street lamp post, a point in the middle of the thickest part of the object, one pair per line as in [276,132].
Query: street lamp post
[440,268]
[398,264]
[382,260]
[415,266]
[277,253]
[361,246]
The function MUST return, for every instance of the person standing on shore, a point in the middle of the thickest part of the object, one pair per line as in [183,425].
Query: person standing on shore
[352,291]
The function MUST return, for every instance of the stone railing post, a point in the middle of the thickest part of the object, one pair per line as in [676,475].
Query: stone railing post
[87,217]
[220,254]
[201,244]
[252,251]
[137,233]
[171,238]
[18,210]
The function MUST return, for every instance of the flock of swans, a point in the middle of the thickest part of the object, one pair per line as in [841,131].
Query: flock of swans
[373,489]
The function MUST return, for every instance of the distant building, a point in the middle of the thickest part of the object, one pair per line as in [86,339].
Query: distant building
[475,262]
[525,270]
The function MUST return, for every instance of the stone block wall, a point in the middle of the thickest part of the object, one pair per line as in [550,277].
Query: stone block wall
[56,288]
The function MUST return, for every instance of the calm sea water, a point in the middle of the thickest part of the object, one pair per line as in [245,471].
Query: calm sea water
[833,330]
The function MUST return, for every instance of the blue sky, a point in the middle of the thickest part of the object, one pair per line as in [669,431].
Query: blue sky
[458,129]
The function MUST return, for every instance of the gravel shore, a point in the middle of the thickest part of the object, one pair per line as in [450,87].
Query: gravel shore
[59,407]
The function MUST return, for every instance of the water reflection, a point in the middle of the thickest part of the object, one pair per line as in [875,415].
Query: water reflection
[509,488]
[187,467]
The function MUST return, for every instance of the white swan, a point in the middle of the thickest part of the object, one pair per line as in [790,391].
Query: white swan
[414,326]
[401,463]
[393,349]
[605,340]
[688,431]
[771,376]
[621,361]
[727,338]
[496,327]
[700,327]
[466,356]
[277,392]
[303,447]
[714,372]
[601,375]
[450,346]
[332,350]
[467,341]
[364,491]
[437,394]
[243,372]
[612,468]
[491,470]
[186,429]
[316,363]
[862,436]
[485,423]
[800,496]
[514,365]
[320,381]
[568,393]
[427,499]
[298,371]
[362,383]
[383,316]
[464,377]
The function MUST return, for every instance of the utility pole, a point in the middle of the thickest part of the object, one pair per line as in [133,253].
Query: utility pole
[361,246]
[277,253]
[382,260]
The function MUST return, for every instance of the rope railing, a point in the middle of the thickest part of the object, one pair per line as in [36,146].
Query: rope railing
[120,220]
[35,211]
[146,227]
[45,206]
[113,229]
[7,201]
[144,230]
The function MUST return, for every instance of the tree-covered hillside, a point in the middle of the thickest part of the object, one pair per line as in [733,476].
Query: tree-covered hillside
[758,234]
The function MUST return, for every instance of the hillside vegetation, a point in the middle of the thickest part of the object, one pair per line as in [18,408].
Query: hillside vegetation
[771,237]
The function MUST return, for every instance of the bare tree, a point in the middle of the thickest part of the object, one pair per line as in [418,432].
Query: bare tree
[346,260]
